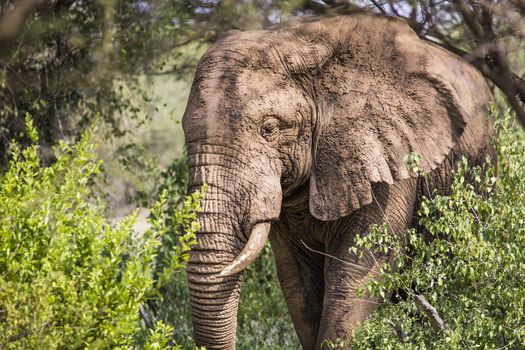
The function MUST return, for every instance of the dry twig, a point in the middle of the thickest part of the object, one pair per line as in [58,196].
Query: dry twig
[430,312]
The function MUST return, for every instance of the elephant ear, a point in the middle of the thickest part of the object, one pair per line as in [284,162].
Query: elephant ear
[386,94]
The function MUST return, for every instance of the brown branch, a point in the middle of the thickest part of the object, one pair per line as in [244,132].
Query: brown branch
[430,312]
[379,6]
[316,6]
[398,330]
[356,266]
[519,84]
[394,10]
[486,19]
[13,99]
[145,317]
[469,17]
[443,43]
[19,336]
[489,58]
[325,6]
[510,84]
[520,4]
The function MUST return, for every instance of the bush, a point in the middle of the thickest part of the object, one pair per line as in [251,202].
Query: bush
[69,278]
[472,271]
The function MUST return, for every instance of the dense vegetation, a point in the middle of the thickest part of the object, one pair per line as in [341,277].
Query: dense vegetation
[70,279]
[68,62]
[73,276]
[473,269]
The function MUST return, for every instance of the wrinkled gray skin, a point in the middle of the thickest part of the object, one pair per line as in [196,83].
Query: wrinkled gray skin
[303,128]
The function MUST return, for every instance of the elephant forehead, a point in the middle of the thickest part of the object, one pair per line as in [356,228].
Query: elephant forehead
[203,110]
[264,94]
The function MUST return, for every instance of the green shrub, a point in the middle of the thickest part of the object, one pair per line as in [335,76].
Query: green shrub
[472,272]
[70,279]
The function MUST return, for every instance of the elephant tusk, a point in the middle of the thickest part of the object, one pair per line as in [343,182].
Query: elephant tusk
[252,249]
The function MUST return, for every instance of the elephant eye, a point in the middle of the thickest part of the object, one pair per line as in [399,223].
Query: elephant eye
[269,128]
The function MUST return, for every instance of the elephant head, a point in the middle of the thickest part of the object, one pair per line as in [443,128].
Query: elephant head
[309,113]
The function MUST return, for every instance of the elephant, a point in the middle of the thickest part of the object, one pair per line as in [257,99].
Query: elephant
[299,132]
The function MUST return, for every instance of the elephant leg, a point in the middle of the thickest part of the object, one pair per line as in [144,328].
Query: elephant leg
[300,274]
[343,310]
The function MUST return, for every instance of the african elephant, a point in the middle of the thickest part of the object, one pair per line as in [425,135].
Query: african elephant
[300,133]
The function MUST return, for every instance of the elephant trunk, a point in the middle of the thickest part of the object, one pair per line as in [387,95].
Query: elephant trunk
[213,298]
[230,237]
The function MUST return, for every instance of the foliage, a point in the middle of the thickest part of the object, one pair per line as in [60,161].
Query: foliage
[170,304]
[66,62]
[70,62]
[471,271]
[68,277]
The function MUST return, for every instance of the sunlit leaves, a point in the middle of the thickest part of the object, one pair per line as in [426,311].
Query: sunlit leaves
[68,277]
[473,268]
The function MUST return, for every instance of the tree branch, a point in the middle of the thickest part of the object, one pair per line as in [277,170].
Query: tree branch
[379,6]
[19,336]
[489,58]
[398,330]
[354,265]
[430,312]
[469,17]
[520,4]
[145,317]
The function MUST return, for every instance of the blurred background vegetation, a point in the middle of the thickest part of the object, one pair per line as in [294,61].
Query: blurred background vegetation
[126,66]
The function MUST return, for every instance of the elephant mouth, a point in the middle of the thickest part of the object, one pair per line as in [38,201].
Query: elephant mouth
[258,236]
